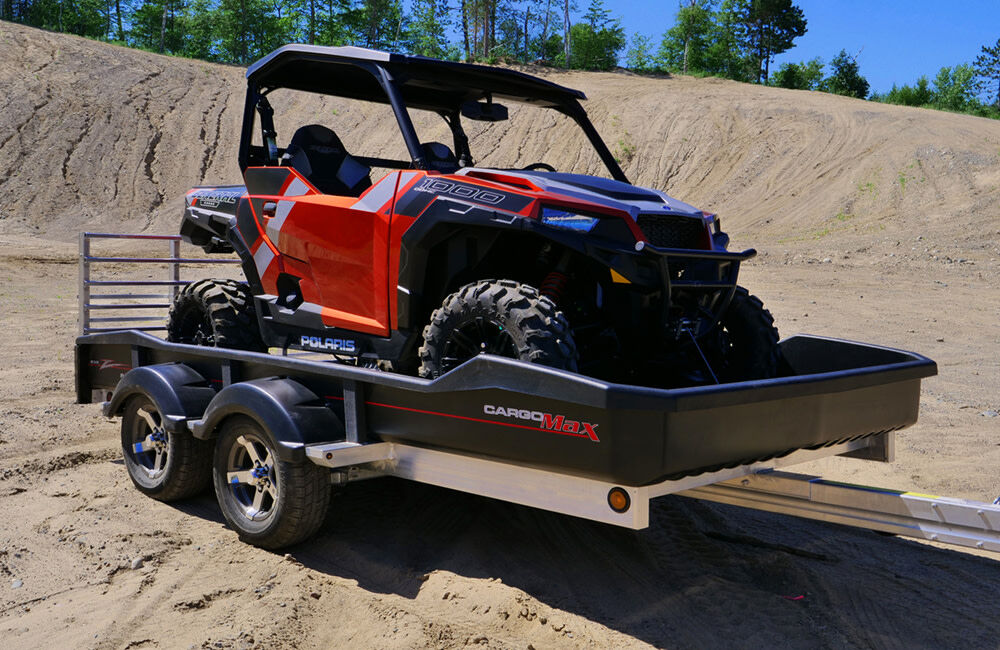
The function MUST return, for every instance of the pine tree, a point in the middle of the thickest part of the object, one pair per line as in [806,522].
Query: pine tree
[988,67]
[846,78]
[428,27]
[766,28]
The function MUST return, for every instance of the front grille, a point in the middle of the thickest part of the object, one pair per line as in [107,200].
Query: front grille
[673,231]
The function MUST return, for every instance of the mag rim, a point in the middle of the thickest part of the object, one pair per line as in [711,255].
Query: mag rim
[149,448]
[251,477]
[478,335]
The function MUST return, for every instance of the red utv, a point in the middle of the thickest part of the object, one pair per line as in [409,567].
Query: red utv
[435,259]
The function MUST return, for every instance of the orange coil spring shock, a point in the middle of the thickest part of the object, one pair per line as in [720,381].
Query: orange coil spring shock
[554,286]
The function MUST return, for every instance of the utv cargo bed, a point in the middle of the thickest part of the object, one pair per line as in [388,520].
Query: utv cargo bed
[833,392]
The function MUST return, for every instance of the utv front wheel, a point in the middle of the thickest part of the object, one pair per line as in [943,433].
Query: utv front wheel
[216,313]
[749,340]
[499,317]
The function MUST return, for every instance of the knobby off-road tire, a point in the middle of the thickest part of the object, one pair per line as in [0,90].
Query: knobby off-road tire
[165,466]
[217,313]
[269,502]
[752,340]
[498,317]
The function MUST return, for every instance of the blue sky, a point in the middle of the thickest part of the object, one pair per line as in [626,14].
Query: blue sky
[897,41]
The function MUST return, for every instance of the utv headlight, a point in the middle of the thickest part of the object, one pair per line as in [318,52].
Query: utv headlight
[569,220]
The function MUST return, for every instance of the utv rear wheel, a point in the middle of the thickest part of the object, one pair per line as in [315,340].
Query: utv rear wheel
[216,313]
[500,317]
[749,340]
[269,502]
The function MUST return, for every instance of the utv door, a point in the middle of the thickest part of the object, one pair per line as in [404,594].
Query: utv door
[335,247]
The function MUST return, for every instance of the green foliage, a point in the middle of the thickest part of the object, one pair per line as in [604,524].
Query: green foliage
[640,56]
[592,49]
[595,44]
[988,68]
[846,78]
[428,27]
[551,49]
[81,17]
[765,28]
[917,95]
[380,24]
[726,56]
[807,75]
[705,42]
[736,39]
[955,88]
[685,45]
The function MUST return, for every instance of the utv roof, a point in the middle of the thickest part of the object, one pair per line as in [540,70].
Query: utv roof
[425,83]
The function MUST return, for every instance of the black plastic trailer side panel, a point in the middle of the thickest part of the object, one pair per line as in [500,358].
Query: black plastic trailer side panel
[834,391]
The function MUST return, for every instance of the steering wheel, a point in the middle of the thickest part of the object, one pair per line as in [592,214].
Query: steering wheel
[539,165]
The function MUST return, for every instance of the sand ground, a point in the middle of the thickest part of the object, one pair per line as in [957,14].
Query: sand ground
[875,223]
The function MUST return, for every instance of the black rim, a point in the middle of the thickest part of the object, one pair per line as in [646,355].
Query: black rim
[477,336]
[196,329]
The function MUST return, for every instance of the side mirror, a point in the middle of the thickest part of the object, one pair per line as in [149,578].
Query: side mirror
[484,111]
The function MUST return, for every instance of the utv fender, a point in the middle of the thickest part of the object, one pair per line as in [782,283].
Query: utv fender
[178,391]
[293,414]
[470,239]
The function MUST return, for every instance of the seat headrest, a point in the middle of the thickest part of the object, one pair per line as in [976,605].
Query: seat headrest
[316,137]
[439,157]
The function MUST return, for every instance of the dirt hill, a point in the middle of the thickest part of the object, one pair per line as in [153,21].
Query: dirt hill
[876,223]
[107,137]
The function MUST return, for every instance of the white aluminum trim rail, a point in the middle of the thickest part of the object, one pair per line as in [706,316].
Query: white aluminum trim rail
[758,486]
[530,486]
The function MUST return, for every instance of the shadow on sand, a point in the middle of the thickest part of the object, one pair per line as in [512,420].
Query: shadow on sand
[748,578]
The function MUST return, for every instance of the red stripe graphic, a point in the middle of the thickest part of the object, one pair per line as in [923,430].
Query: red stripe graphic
[465,417]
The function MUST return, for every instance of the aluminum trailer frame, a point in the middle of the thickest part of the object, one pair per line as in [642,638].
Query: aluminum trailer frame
[762,484]
[759,486]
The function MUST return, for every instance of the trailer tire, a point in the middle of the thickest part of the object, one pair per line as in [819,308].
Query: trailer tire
[165,466]
[501,317]
[217,313]
[751,349]
[269,502]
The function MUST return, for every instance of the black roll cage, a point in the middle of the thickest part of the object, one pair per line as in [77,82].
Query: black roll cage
[389,79]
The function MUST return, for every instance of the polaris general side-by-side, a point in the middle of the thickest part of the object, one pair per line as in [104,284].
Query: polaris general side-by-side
[559,340]
[439,260]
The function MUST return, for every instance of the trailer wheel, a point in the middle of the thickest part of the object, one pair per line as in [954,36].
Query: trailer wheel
[500,317]
[750,340]
[269,502]
[165,466]
[217,313]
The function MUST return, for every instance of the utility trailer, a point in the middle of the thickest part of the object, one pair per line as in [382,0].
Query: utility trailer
[272,432]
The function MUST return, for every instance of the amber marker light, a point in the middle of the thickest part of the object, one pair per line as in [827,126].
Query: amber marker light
[618,499]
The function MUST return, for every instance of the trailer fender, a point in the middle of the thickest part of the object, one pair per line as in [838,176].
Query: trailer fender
[178,391]
[293,414]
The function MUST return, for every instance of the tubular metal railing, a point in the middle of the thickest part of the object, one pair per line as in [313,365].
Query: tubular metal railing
[123,314]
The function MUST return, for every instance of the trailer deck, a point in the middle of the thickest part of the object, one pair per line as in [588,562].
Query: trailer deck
[528,434]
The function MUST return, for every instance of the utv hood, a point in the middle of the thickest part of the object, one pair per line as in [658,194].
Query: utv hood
[603,191]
